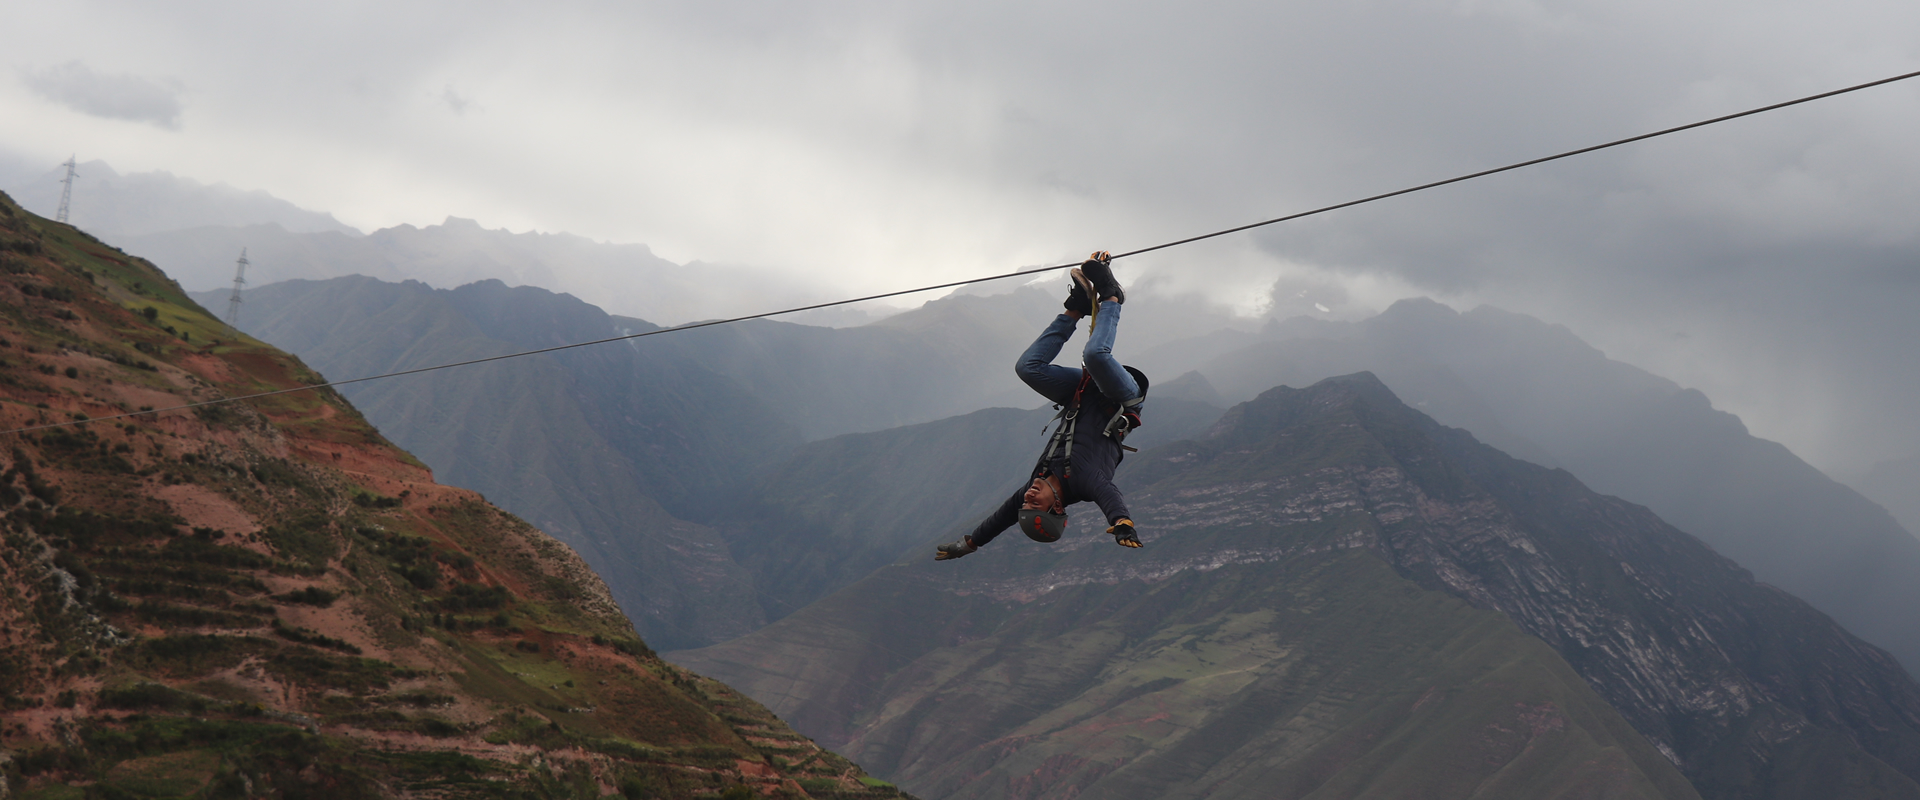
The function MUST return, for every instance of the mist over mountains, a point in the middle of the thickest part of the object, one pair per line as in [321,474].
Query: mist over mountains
[123,208]
[196,232]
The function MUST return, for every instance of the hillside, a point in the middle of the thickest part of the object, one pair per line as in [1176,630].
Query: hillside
[266,598]
[1320,570]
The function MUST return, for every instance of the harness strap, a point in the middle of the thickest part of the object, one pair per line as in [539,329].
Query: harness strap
[1125,419]
[1062,440]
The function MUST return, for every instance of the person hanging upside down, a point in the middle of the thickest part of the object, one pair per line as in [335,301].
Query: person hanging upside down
[1098,405]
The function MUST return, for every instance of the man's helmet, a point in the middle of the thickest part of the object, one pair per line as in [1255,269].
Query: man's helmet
[1041,525]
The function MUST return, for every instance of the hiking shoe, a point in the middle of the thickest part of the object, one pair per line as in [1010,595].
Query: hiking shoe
[1123,534]
[1080,297]
[953,550]
[1099,271]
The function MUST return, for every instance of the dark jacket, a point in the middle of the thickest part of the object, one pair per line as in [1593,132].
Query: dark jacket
[1095,457]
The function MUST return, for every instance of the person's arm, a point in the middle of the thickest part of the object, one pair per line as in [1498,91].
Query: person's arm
[1001,519]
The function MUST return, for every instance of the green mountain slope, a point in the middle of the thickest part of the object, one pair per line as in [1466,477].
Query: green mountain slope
[1750,692]
[268,599]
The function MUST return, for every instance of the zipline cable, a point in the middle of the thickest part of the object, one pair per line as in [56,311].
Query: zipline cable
[1014,274]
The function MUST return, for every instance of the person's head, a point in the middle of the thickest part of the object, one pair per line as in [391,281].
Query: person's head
[1042,495]
[1042,516]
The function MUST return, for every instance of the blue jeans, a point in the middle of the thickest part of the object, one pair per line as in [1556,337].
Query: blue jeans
[1056,383]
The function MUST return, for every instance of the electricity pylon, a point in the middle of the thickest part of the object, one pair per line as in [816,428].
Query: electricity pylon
[239,280]
[66,193]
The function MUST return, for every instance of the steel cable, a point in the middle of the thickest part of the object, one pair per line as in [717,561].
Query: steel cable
[1003,276]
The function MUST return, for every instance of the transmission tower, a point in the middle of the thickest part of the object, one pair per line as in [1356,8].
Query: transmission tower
[239,280]
[66,193]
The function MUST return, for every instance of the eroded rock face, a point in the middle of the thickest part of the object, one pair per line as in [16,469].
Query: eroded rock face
[1714,668]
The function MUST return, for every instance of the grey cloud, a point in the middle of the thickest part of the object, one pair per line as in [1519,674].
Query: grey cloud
[1768,262]
[123,96]
[455,102]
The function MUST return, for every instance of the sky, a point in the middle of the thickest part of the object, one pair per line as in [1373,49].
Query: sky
[1772,262]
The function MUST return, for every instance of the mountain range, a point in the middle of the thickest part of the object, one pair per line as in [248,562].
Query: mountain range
[1310,617]
[1536,391]
[1529,388]
[1340,596]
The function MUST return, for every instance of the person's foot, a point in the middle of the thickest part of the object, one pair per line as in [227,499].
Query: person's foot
[1099,271]
[1080,297]
[953,550]
[1123,534]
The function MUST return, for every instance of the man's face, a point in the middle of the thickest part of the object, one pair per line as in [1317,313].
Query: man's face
[1040,495]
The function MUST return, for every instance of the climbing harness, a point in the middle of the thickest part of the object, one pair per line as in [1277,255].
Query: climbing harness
[1125,418]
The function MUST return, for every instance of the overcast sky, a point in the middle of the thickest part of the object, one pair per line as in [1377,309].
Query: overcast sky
[1771,262]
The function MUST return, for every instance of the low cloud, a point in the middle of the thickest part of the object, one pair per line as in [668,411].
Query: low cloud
[123,96]
[455,102]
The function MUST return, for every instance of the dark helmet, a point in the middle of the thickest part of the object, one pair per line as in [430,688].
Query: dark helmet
[1041,525]
[1138,378]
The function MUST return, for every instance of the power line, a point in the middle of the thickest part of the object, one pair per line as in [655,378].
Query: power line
[1003,276]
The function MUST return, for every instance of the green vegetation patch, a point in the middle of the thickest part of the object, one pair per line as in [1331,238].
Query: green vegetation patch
[166,775]
[175,615]
[438,770]
[149,696]
[310,596]
[87,531]
[315,638]
[53,791]
[309,542]
[145,572]
[189,655]
[193,550]
[353,675]
[389,720]
[80,449]
[473,597]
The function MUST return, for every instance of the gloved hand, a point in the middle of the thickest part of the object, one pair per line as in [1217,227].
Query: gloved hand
[1123,534]
[953,550]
